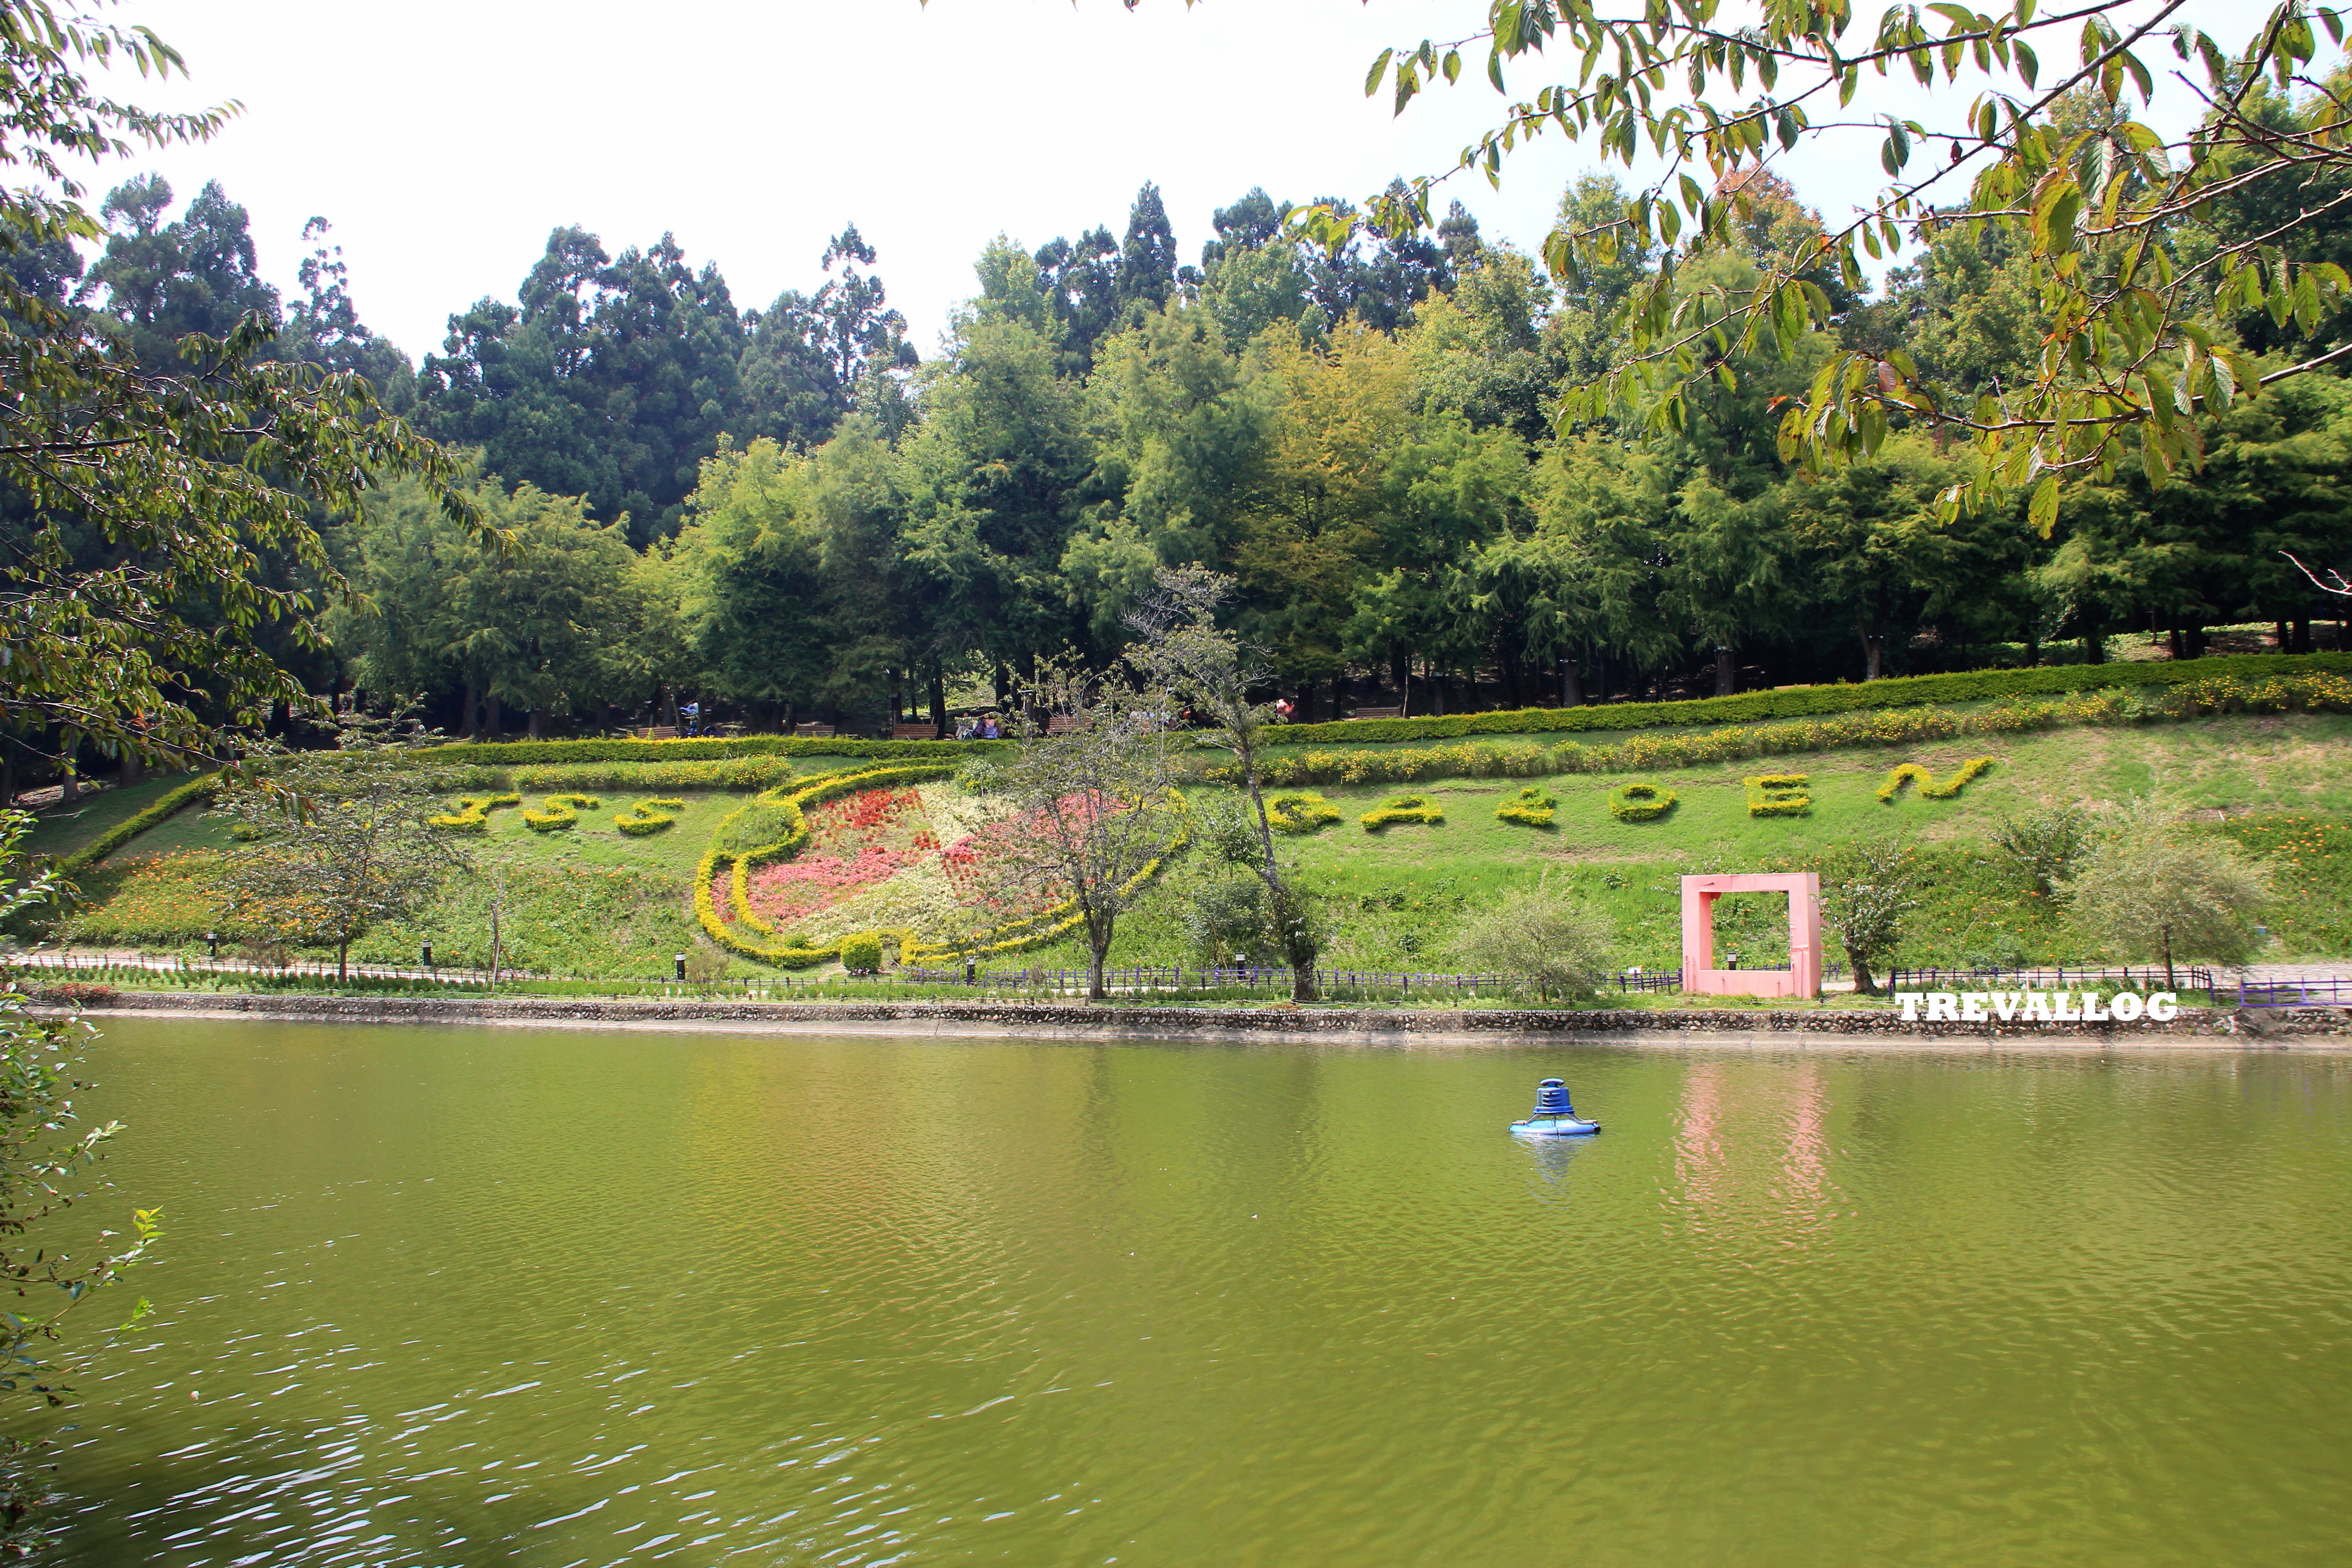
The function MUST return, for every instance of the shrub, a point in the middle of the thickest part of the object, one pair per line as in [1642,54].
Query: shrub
[559,816]
[473,813]
[862,953]
[1403,808]
[1298,811]
[654,777]
[1531,807]
[2045,844]
[1778,794]
[1976,686]
[1638,802]
[1912,772]
[650,815]
[1543,939]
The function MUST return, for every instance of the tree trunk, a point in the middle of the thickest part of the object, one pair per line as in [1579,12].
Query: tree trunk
[2094,646]
[1873,655]
[68,786]
[1860,962]
[530,725]
[493,715]
[132,769]
[2170,984]
[1726,676]
[467,728]
[939,703]
[2302,631]
[2282,638]
[1097,950]
[1571,688]
[342,961]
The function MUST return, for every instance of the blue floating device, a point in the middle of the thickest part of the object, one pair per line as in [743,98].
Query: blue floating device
[1553,1116]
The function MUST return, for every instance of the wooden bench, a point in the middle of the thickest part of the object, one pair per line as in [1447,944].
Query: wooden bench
[925,731]
[812,732]
[1376,713]
[659,733]
[1060,725]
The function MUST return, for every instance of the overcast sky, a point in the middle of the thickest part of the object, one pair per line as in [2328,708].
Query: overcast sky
[445,140]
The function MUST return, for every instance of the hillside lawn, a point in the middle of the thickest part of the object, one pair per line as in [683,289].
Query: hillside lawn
[595,902]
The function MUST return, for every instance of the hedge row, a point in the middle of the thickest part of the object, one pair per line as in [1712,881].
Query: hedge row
[2316,691]
[167,806]
[512,754]
[1911,691]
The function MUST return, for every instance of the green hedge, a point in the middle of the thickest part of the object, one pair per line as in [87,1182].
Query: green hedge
[497,753]
[167,805]
[1911,691]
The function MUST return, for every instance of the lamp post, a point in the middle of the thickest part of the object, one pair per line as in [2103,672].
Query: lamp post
[212,943]
[681,969]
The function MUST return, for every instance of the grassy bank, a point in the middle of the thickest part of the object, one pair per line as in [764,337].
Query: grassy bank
[596,902]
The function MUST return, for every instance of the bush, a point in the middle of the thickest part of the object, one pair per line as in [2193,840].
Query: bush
[473,813]
[1403,808]
[1640,802]
[1531,807]
[650,815]
[1298,811]
[2045,844]
[559,816]
[862,953]
[1542,939]
[1976,686]
[1778,794]
[1912,772]
[656,777]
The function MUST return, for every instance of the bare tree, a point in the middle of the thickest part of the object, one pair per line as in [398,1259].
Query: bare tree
[1094,797]
[1180,647]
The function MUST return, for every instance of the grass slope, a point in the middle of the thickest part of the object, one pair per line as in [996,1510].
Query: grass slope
[595,901]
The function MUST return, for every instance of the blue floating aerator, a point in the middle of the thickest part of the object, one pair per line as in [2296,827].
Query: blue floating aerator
[1553,1116]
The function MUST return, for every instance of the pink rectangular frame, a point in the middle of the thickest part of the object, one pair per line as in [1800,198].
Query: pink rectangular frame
[1803,976]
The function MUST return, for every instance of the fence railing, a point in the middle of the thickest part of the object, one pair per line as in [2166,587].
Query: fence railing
[2054,977]
[1338,984]
[2325,992]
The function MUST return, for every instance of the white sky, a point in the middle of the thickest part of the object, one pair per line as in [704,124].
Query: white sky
[445,140]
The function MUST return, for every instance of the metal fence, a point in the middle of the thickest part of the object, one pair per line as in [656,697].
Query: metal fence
[1338,984]
[2328,992]
[2058,977]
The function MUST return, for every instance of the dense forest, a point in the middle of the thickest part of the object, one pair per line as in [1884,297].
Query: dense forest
[790,514]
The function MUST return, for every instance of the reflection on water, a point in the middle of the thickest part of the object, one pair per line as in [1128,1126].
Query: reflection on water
[449,1298]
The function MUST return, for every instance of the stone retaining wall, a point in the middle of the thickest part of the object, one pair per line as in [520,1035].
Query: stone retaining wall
[2311,1025]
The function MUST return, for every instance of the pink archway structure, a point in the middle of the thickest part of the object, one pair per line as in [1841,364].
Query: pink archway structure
[1803,976]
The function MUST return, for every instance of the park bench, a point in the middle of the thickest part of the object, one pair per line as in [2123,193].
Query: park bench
[658,732]
[1060,725]
[812,732]
[1377,714]
[923,732]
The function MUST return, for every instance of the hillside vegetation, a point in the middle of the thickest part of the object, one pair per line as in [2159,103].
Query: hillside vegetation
[595,901]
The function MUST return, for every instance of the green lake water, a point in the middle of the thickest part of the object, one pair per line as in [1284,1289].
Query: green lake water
[568,1298]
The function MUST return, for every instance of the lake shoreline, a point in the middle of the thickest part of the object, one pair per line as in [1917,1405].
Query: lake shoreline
[2311,1028]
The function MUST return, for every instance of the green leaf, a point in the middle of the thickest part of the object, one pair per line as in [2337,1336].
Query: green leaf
[1380,69]
[2027,65]
[2043,509]
[1453,67]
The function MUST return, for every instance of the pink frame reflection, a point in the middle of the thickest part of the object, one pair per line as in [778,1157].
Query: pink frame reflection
[1803,976]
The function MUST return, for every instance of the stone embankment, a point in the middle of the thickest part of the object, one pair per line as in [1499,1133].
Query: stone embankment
[1337,1024]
